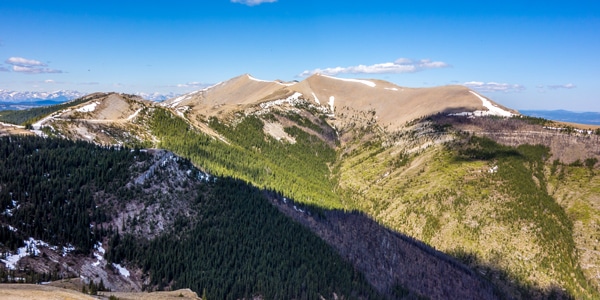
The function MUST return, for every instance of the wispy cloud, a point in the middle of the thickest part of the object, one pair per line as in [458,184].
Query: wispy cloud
[494,87]
[29,66]
[89,83]
[402,65]
[561,86]
[192,85]
[24,62]
[252,2]
[34,70]
[4,69]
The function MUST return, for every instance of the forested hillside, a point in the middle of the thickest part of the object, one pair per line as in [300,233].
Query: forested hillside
[298,170]
[228,242]
[240,246]
[429,180]
[48,186]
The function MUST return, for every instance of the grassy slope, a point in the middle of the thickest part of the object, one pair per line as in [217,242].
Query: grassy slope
[297,170]
[577,189]
[503,223]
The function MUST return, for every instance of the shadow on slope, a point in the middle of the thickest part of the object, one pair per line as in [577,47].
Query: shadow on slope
[503,280]
[401,267]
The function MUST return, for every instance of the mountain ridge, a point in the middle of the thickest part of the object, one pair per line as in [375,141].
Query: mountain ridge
[443,172]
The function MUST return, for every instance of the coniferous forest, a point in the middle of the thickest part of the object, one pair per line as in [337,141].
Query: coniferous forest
[235,244]
[47,187]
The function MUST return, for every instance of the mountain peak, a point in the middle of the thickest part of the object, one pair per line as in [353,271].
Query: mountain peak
[59,95]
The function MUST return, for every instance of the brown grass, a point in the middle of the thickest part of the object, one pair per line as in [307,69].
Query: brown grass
[35,292]
[48,292]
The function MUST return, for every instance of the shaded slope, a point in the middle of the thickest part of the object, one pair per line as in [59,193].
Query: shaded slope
[397,265]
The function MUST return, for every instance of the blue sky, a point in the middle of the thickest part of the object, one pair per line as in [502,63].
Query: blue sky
[523,54]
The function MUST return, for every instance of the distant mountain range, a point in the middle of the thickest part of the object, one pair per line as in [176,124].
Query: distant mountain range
[14,100]
[591,118]
[57,96]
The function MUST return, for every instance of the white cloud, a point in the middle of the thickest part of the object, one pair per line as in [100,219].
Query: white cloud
[192,85]
[402,65]
[34,70]
[252,2]
[493,87]
[29,66]
[24,62]
[561,86]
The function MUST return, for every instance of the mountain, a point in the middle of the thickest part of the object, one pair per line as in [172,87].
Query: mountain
[436,192]
[591,118]
[393,105]
[57,96]
[13,100]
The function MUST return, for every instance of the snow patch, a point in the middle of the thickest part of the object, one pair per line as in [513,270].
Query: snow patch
[178,99]
[316,99]
[256,79]
[89,108]
[67,249]
[391,89]
[365,82]
[37,126]
[291,100]
[134,115]
[99,254]
[30,248]
[493,110]
[331,102]
[122,270]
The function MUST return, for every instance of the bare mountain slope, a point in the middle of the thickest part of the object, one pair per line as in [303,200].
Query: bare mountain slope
[234,94]
[393,105]
[113,107]
[104,119]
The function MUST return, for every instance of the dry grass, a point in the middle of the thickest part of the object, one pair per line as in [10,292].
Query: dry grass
[36,292]
[12,130]
[182,294]
[48,292]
